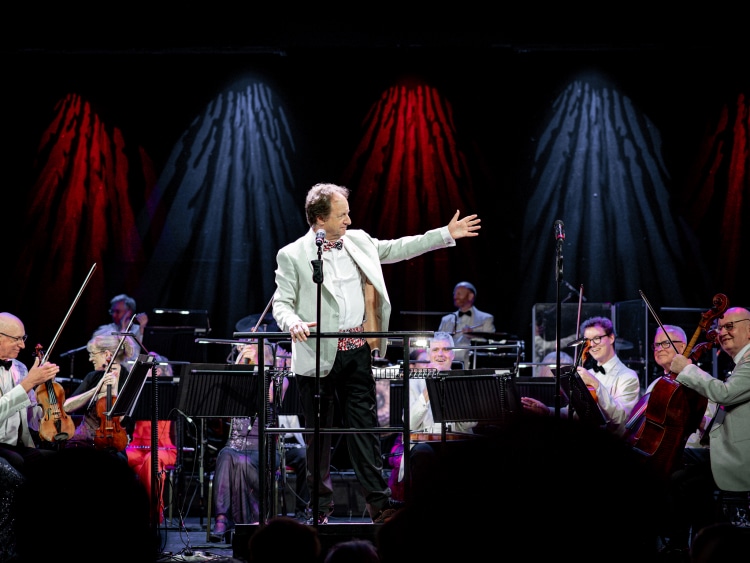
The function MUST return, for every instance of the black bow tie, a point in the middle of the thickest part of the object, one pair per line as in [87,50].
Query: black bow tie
[599,368]
[462,313]
[6,364]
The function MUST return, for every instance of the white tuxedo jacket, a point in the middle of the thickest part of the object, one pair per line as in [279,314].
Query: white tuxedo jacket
[295,298]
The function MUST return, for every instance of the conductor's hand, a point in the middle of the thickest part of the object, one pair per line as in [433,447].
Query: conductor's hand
[300,331]
[466,227]
[39,374]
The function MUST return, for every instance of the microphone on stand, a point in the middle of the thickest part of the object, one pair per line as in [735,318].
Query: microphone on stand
[577,343]
[320,236]
[559,232]
[190,420]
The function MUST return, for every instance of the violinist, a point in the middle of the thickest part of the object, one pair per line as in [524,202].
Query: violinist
[102,348]
[615,386]
[728,432]
[18,407]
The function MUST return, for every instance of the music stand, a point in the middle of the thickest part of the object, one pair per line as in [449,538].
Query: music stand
[125,405]
[217,391]
[580,399]
[480,395]
[127,398]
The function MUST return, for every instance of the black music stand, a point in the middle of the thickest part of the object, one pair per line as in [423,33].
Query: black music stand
[127,398]
[217,391]
[580,399]
[480,395]
[125,404]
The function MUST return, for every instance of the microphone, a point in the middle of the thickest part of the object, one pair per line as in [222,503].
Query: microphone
[320,236]
[559,231]
[577,343]
[190,420]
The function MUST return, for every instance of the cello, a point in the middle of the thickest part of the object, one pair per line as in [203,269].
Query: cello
[56,425]
[673,411]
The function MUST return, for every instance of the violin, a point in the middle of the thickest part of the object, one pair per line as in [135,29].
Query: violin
[56,425]
[110,434]
[584,360]
[673,411]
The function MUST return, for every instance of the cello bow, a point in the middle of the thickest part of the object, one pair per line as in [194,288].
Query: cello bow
[673,411]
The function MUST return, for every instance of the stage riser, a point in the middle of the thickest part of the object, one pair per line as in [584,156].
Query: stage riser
[329,535]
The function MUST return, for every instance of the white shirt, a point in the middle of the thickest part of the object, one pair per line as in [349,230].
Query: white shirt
[350,296]
[14,402]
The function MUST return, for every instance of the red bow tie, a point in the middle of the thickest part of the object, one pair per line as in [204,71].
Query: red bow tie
[328,245]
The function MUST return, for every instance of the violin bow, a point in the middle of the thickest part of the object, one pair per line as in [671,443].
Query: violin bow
[67,316]
[111,361]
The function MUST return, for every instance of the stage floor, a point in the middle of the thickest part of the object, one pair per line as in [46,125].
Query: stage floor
[189,542]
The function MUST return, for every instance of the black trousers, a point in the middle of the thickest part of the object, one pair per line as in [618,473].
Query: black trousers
[352,383]
[20,456]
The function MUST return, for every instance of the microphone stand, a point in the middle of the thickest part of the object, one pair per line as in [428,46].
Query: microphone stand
[558,321]
[318,279]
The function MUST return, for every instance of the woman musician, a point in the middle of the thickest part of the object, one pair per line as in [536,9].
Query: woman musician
[104,350]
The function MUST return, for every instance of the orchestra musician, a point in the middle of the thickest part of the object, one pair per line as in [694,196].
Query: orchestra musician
[236,477]
[423,427]
[728,432]
[138,450]
[616,387]
[95,385]
[18,410]
[465,320]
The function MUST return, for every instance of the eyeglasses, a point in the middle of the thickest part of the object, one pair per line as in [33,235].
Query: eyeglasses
[92,354]
[597,339]
[729,326]
[664,344]
[25,336]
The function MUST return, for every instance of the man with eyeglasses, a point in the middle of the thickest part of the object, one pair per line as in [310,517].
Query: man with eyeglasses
[17,398]
[616,386]
[122,309]
[668,342]
[727,465]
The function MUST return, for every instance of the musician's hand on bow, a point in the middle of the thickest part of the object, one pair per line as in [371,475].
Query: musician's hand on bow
[465,227]
[679,362]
